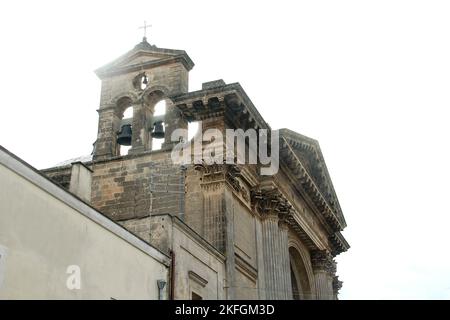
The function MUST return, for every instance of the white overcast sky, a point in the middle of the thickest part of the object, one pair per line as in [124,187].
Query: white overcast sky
[369,79]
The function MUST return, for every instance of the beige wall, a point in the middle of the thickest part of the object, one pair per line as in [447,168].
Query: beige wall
[199,268]
[44,229]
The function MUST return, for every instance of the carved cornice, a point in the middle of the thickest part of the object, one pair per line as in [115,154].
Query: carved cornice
[198,279]
[229,100]
[308,184]
[338,243]
[302,234]
[309,150]
[246,268]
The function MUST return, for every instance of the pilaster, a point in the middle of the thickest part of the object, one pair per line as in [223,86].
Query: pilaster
[324,269]
[274,238]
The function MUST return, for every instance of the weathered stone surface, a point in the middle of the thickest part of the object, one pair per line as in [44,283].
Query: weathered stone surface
[231,232]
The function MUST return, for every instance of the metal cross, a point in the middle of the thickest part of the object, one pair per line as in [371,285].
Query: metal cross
[145,26]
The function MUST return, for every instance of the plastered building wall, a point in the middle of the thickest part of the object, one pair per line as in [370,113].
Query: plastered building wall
[44,230]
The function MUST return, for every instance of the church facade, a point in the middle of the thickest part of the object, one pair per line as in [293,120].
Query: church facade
[229,231]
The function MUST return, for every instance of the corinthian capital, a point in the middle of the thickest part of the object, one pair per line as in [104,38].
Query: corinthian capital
[322,260]
[337,285]
[266,202]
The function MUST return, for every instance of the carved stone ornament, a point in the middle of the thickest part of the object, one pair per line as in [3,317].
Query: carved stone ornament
[337,285]
[270,203]
[322,260]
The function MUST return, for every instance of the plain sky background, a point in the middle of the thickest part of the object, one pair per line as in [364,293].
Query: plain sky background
[369,79]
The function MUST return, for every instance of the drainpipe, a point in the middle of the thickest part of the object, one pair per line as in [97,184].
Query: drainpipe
[172,275]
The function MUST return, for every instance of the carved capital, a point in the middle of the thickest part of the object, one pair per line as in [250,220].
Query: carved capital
[212,176]
[322,260]
[284,212]
[212,173]
[266,203]
[217,174]
[337,285]
[232,174]
[234,179]
[271,203]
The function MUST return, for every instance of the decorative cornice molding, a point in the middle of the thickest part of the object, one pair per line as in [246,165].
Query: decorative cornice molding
[246,268]
[198,279]
[308,184]
[318,168]
[229,100]
[338,243]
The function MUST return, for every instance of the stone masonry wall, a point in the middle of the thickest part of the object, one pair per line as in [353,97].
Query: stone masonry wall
[60,175]
[134,187]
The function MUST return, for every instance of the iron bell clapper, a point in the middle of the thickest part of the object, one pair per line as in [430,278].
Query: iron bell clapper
[158,130]
[124,136]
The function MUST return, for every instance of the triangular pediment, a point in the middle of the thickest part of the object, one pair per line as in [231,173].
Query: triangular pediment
[144,54]
[141,57]
[309,153]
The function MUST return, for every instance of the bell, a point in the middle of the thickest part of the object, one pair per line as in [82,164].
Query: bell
[145,79]
[158,130]
[124,136]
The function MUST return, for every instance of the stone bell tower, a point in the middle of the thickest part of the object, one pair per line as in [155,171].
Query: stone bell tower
[241,234]
[139,79]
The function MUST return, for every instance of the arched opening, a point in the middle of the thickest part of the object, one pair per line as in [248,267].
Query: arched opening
[128,113]
[141,81]
[294,283]
[301,287]
[159,110]
[124,117]
[193,128]
[156,105]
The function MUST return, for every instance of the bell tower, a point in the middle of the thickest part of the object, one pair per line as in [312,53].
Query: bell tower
[139,80]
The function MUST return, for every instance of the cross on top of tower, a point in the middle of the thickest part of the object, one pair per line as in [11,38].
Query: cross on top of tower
[145,26]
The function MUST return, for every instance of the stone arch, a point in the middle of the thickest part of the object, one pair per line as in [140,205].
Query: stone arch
[122,104]
[154,94]
[172,117]
[125,95]
[302,276]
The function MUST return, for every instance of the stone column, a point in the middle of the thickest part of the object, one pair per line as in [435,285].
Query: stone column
[272,266]
[108,126]
[214,210]
[218,212]
[323,267]
[140,134]
[172,121]
[260,255]
[230,263]
[273,210]
[284,259]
